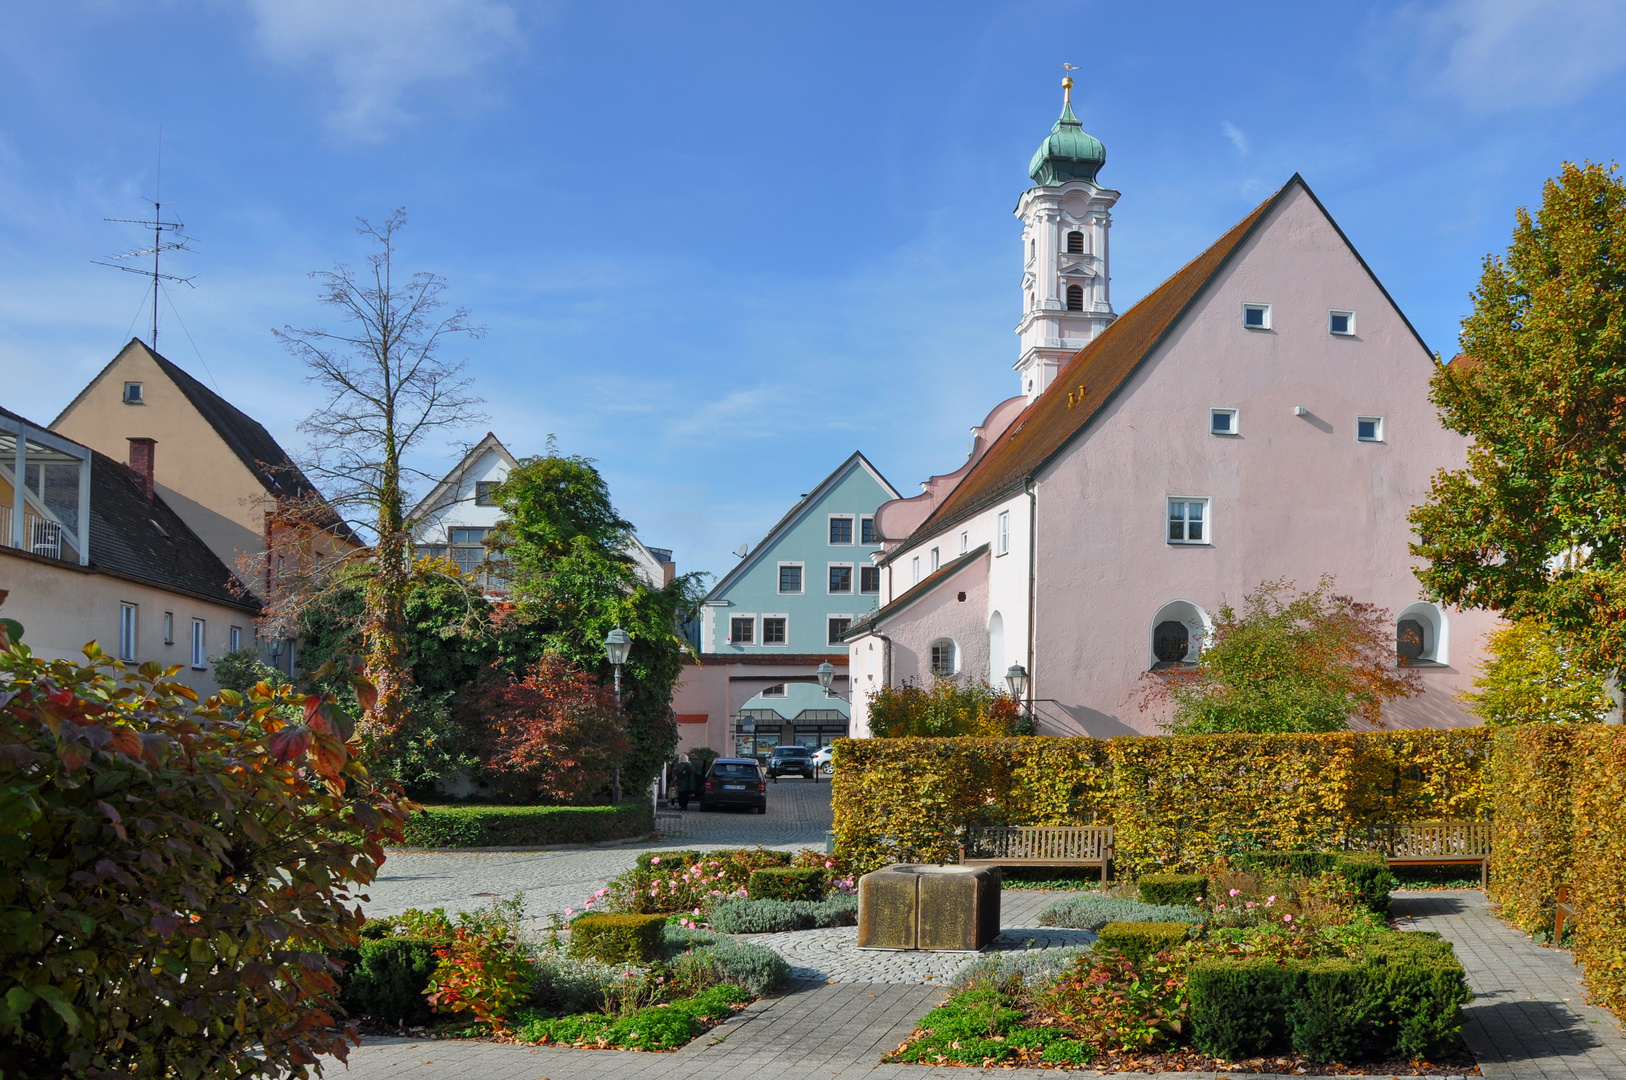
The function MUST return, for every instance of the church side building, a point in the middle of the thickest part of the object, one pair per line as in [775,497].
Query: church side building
[1261,415]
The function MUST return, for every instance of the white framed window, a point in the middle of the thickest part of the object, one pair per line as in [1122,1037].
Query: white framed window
[485,492]
[841,530]
[936,558]
[840,578]
[790,577]
[127,631]
[132,394]
[776,629]
[866,531]
[1369,429]
[914,569]
[742,630]
[1341,323]
[776,690]
[1422,635]
[836,628]
[1188,520]
[1002,533]
[1223,422]
[169,628]
[235,635]
[1256,316]
[869,579]
[965,542]
[200,656]
[944,658]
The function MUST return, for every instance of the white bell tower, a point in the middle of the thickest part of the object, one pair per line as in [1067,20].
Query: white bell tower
[1066,216]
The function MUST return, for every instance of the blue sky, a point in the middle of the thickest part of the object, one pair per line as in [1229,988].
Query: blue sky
[719,247]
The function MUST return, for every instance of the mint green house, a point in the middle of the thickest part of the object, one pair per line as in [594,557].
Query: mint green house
[781,612]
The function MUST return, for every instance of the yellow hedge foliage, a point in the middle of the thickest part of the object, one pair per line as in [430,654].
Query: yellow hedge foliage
[1599,869]
[1176,802]
[1531,800]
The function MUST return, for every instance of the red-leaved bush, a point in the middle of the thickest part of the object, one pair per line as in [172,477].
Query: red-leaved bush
[555,735]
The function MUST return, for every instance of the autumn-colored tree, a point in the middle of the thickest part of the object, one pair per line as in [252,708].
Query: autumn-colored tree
[1532,675]
[1535,525]
[554,735]
[1288,661]
[943,709]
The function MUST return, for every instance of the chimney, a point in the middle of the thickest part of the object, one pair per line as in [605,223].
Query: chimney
[141,455]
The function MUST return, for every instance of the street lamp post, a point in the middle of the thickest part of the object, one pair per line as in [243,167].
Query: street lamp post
[617,643]
[827,677]
[1016,678]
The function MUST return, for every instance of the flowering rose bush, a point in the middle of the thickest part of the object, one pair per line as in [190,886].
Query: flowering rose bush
[689,886]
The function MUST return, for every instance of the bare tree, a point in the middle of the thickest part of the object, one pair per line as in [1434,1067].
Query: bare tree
[387,391]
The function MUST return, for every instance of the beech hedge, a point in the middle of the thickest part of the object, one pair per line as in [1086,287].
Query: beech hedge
[465,826]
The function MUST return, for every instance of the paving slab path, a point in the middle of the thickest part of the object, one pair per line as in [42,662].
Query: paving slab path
[1529,1019]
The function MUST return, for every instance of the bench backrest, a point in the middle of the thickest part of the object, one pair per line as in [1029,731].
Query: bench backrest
[1432,839]
[1081,842]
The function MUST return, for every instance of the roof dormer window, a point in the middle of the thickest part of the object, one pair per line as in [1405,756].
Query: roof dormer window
[1075,243]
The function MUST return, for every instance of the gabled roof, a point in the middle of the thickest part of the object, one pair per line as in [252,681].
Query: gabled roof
[797,512]
[1047,426]
[247,439]
[918,591]
[437,498]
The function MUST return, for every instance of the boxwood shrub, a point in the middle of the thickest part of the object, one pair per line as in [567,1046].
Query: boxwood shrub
[1172,888]
[618,939]
[786,883]
[466,826]
[388,979]
[1139,940]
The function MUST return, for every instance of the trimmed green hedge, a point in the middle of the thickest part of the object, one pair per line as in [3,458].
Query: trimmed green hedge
[1140,940]
[464,826]
[618,939]
[389,977]
[786,883]
[1184,889]
[1367,872]
[1402,997]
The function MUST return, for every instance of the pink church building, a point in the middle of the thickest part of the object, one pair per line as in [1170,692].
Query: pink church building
[1262,414]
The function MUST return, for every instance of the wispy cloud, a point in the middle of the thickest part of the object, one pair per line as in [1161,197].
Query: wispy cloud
[1234,133]
[1499,55]
[382,58]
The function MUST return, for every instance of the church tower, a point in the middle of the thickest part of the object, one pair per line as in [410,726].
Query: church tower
[1066,295]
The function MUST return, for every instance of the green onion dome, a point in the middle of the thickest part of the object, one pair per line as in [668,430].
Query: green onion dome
[1068,152]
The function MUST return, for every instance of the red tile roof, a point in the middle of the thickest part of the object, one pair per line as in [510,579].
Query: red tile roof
[1046,426]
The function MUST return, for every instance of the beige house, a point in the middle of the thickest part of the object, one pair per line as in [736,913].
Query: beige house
[90,551]
[218,468]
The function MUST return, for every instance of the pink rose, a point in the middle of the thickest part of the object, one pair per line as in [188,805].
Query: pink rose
[1287,918]
[1236,892]
[570,911]
[656,861]
[695,912]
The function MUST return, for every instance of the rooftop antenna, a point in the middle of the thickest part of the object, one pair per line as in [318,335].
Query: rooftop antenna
[159,227]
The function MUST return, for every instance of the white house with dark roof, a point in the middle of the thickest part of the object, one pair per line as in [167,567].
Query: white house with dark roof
[1263,414]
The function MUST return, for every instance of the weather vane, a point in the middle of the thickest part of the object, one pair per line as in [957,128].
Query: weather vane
[1067,83]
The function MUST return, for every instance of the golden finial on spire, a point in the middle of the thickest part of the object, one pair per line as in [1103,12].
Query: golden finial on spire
[1067,84]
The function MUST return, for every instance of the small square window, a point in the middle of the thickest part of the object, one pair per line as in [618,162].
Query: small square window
[841,579]
[485,492]
[776,690]
[742,630]
[869,579]
[1002,533]
[790,578]
[1222,421]
[773,630]
[1341,323]
[1188,521]
[841,530]
[838,628]
[1256,316]
[867,531]
[132,394]
[1369,428]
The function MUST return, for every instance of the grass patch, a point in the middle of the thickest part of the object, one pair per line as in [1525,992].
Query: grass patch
[979,1027]
[658,1027]
[1049,877]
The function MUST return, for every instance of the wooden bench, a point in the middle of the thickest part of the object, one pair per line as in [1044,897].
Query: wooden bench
[1563,911]
[1435,843]
[1038,845]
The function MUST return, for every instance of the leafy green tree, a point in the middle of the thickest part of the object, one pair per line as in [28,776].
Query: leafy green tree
[1532,675]
[1535,525]
[1288,661]
[563,550]
[945,708]
[174,877]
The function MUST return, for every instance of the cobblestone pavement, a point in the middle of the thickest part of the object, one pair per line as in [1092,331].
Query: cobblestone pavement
[552,880]
[834,956]
[1529,1019]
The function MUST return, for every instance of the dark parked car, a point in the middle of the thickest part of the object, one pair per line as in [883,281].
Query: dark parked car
[735,782]
[791,759]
